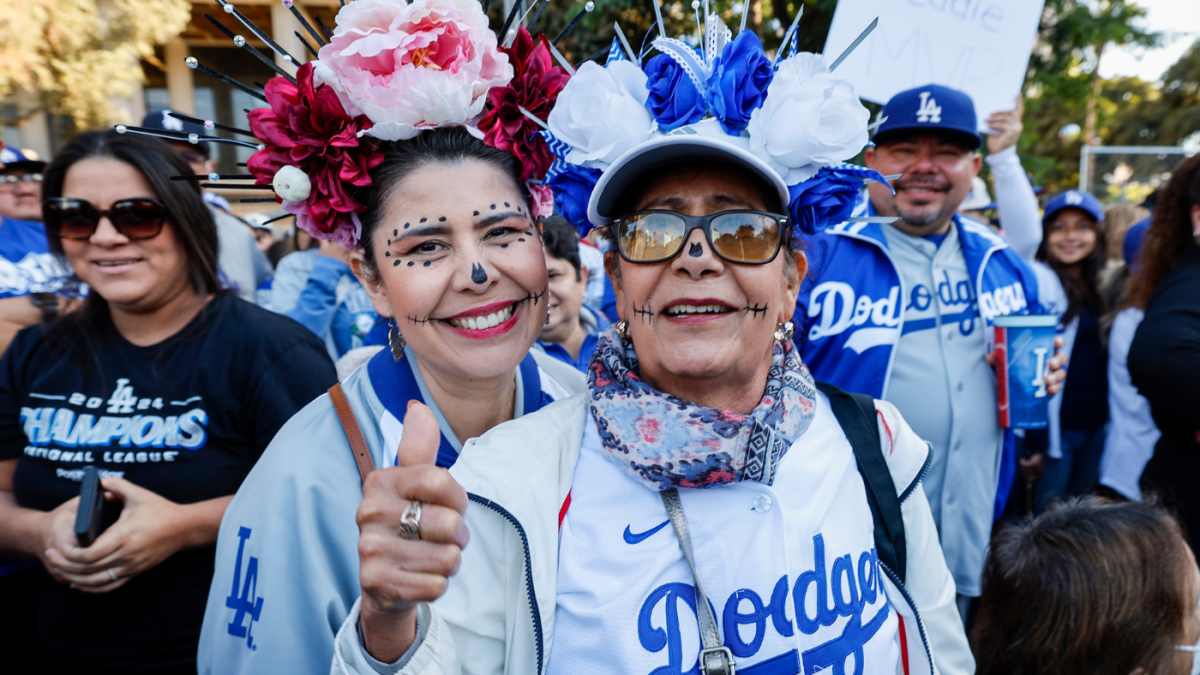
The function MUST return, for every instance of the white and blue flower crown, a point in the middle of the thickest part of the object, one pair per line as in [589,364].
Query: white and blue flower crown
[790,118]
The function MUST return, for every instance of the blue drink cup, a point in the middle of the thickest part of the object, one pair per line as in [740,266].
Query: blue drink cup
[1026,344]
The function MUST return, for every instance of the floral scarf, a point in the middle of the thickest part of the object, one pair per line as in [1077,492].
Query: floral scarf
[671,443]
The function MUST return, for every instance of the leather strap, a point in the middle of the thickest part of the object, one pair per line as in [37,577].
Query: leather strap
[358,443]
[715,659]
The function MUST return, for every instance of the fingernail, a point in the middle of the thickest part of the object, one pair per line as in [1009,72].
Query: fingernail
[411,401]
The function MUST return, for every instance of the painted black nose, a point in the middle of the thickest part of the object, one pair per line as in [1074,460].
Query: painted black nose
[477,274]
[695,250]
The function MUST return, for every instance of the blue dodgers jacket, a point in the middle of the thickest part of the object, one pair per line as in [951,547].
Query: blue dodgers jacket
[850,311]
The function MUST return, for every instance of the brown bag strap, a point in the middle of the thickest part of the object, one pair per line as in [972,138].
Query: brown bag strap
[358,443]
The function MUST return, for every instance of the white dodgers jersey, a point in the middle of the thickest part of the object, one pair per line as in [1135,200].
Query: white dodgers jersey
[790,570]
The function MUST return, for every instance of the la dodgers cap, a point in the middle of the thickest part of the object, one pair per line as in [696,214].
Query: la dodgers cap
[13,159]
[1074,199]
[163,121]
[932,107]
[704,140]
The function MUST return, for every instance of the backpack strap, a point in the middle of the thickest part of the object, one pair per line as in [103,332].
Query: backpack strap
[358,442]
[856,415]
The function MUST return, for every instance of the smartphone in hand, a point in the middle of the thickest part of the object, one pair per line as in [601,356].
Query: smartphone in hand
[95,513]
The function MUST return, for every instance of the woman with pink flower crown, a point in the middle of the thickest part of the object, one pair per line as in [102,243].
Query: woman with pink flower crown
[404,141]
[705,506]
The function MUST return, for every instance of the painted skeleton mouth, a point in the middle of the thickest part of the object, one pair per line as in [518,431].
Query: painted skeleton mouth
[689,310]
[483,322]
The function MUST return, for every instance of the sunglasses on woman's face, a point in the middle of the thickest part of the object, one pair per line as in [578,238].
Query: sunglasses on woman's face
[741,237]
[77,219]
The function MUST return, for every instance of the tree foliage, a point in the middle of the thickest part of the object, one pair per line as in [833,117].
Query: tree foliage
[70,57]
[594,33]
[1064,76]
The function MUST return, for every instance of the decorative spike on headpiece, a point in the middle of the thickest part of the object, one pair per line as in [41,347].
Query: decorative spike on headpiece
[587,7]
[304,22]
[853,45]
[260,33]
[209,124]
[181,136]
[307,47]
[195,64]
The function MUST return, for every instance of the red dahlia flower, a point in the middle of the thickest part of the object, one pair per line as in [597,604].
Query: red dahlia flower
[535,86]
[307,127]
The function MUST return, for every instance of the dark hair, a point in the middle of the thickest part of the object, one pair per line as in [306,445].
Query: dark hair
[1084,289]
[189,215]
[446,145]
[1170,232]
[561,240]
[1090,587]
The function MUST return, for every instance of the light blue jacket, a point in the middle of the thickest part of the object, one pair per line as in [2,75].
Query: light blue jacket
[286,569]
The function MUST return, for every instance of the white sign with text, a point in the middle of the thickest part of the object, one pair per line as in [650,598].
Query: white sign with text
[978,46]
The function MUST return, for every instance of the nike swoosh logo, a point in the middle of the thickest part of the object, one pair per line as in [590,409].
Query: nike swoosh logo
[631,538]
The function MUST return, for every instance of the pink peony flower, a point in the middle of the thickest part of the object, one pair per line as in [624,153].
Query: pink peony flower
[409,67]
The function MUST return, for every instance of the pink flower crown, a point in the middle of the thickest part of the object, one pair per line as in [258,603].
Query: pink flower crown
[388,71]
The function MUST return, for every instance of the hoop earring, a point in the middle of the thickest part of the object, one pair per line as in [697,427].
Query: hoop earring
[784,331]
[623,329]
[396,341]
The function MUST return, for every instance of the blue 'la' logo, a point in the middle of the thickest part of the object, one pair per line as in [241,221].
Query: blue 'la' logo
[248,603]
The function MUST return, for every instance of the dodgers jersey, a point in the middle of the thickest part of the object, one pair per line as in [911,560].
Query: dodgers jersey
[26,263]
[790,569]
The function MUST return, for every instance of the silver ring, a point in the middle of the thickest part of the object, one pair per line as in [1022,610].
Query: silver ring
[112,574]
[410,521]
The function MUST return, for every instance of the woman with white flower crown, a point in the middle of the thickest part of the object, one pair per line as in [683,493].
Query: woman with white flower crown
[705,506]
[405,139]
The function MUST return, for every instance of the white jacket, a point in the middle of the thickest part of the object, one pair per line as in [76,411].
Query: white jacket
[497,615]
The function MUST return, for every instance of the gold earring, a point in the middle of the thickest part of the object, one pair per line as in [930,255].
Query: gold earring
[784,331]
[623,329]
[396,341]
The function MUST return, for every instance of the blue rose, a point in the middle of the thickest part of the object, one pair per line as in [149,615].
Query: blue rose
[827,198]
[674,100]
[739,81]
[572,188]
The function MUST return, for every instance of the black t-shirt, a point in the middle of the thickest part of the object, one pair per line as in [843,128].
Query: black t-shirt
[186,418]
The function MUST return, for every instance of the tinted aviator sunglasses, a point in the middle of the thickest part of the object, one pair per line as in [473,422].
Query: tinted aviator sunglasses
[77,219]
[742,237]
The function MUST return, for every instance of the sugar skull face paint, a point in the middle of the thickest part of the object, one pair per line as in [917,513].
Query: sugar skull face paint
[467,284]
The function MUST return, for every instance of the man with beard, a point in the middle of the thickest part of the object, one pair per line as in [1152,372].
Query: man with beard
[902,311]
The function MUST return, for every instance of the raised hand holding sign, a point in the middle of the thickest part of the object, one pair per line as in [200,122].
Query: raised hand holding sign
[398,572]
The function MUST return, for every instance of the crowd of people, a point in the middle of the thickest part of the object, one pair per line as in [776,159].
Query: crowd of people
[629,385]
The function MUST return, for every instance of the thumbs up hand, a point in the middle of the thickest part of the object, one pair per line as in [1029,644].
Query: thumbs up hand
[396,572]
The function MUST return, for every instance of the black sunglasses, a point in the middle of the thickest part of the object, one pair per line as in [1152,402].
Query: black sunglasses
[68,218]
[741,237]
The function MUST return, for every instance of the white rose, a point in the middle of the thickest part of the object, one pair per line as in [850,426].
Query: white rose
[602,112]
[810,119]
